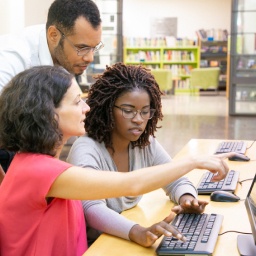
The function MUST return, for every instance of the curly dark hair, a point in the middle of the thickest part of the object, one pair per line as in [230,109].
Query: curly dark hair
[27,110]
[64,13]
[115,81]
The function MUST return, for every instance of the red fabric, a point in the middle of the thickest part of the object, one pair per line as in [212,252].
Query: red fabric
[30,226]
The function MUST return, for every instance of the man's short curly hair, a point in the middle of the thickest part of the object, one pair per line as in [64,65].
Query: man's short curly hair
[64,13]
[115,81]
[28,121]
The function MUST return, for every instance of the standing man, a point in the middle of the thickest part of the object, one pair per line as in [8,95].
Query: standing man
[69,39]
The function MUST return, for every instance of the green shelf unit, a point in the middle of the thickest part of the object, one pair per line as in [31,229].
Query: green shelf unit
[163,57]
[180,60]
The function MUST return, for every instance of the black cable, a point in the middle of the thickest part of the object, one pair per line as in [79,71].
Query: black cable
[250,145]
[234,231]
[241,181]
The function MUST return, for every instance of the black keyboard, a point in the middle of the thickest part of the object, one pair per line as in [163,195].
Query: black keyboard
[231,146]
[205,186]
[201,231]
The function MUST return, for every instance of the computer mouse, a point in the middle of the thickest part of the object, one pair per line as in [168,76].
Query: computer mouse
[239,157]
[224,196]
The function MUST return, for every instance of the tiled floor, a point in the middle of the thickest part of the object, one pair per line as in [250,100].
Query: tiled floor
[200,117]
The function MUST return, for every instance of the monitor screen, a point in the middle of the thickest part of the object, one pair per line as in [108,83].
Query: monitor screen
[250,204]
[247,243]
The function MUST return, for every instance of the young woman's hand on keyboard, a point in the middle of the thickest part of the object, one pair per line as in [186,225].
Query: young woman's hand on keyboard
[147,236]
[189,204]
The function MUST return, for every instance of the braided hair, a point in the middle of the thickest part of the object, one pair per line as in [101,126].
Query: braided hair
[115,81]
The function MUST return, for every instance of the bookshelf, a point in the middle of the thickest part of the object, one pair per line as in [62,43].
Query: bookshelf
[180,59]
[214,54]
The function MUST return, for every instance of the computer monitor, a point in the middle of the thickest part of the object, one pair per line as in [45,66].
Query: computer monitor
[247,243]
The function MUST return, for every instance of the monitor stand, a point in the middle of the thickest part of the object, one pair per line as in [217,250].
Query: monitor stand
[246,245]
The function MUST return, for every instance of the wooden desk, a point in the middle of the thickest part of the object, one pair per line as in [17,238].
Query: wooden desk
[155,206]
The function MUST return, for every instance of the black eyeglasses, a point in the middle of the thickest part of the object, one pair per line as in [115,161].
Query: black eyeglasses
[130,114]
[83,51]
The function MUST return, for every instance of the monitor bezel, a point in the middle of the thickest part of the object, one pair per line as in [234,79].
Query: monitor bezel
[249,210]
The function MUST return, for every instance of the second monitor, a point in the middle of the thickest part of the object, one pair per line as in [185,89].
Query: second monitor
[247,243]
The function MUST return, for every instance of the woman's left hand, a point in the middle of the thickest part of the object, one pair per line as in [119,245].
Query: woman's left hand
[189,204]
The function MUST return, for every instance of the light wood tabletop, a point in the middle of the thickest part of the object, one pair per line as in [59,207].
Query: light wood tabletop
[155,206]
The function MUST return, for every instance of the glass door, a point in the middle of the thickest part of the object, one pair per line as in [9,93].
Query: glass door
[242,98]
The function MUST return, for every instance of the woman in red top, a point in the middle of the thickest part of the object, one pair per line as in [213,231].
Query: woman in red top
[40,207]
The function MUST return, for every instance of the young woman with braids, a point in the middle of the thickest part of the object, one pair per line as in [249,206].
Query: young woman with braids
[40,196]
[125,106]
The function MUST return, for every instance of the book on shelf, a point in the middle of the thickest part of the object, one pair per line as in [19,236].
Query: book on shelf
[168,41]
[225,35]
[187,69]
[223,77]
[203,63]
[212,34]
[179,70]
[214,63]
[202,34]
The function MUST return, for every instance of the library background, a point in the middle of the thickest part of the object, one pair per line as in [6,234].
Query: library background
[183,41]
[228,53]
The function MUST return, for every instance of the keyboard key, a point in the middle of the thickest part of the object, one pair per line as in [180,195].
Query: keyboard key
[205,185]
[231,146]
[201,231]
